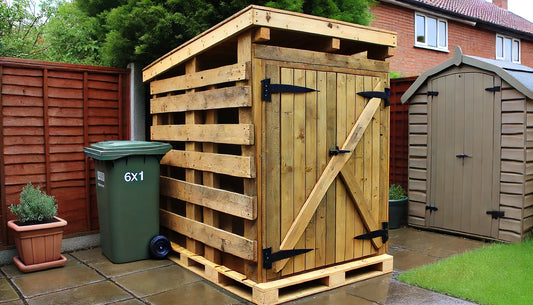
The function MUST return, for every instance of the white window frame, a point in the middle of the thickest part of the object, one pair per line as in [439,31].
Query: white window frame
[513,40]
[425,44]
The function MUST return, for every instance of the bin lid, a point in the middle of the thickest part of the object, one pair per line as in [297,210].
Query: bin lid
[112,150]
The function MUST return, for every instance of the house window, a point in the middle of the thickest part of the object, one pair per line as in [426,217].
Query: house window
[507,48]
[431,32]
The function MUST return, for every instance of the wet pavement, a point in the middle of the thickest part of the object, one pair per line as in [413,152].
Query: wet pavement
[90,278]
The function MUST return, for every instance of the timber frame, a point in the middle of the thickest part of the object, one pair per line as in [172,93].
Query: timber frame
[247,174]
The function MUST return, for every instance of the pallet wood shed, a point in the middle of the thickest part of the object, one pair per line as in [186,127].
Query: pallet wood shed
[251,171]
[471,148]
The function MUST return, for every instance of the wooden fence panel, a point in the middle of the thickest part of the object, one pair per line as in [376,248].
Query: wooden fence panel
[48,113]
[399,117]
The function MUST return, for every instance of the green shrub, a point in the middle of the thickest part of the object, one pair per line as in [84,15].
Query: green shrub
[35,206]
[396,192]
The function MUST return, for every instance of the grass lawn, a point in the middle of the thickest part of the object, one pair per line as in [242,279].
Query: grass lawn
[495,274]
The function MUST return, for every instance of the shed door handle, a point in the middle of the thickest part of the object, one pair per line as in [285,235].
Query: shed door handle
[463,156]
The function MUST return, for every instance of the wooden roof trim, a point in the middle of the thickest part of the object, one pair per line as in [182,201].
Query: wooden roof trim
[272,18]
[458,59]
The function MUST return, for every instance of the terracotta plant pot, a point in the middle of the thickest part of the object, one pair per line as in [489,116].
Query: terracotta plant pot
[38,246]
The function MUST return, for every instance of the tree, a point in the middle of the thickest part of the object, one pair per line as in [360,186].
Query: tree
[21,27]
[144,30]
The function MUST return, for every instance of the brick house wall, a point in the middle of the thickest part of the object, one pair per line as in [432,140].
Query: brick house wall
[409,60]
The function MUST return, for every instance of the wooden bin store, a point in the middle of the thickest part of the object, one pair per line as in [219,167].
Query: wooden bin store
[471,148]
[277,162]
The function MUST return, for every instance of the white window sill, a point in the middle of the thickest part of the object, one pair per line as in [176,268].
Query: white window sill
[432,48]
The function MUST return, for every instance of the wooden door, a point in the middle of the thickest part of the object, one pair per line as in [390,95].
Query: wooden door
[464,153]
[300,130]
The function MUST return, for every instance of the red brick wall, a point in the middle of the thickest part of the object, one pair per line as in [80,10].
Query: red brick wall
[409,60]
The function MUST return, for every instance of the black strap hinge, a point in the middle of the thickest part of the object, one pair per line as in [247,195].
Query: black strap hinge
[496,214]
[267,89]
[429,93]
[269,257]
[383,233]
[336,151]
[385,95]
[494,89]
[431,208]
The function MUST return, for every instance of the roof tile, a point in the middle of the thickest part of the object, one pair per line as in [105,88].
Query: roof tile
[483,11]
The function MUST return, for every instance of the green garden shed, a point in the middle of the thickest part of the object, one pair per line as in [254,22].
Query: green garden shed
[471,148]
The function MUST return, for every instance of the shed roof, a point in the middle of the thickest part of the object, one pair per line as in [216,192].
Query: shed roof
[258,16]
[516,75]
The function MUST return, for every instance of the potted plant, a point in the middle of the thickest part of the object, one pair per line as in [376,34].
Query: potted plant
[38,232]
[397,206]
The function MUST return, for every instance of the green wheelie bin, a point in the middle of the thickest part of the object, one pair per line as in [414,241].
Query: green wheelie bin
[127,191]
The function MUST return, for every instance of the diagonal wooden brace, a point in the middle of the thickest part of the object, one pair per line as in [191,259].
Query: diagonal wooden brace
[331,171]
[361,205]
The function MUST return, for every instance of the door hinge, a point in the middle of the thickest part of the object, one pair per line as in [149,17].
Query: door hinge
[496,214]
[383,233]
[269,257]
[267,89]
[431,208]
[494,89]
[429,93]
[385,95]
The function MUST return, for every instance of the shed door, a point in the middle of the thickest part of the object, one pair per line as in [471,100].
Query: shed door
[464,153]
[301,129]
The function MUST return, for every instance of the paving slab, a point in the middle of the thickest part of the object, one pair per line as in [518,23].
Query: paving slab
[97,260]
[73,274]
[7,292]
[154,281]
[103,292]
[194,294]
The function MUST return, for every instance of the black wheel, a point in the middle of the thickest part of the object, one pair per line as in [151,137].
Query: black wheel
[159,247]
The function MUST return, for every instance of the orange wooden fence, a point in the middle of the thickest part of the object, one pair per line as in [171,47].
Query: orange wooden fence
[48,113]
[399,117]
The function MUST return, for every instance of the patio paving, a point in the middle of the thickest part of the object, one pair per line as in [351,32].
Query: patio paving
[90,278]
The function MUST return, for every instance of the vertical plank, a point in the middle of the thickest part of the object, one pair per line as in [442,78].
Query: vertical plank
[310,162]
[210,179]
[258,70]
[359,163]
[367,164]
[287,160]
[455,126]
[272,163]
[121,125]
[340,189]
[299,142]
[331,114]
[246,116]
[384,164]
[487,170]
[496,153]
[321,159]
[468,145]
[350,208]
[193,211]
[375,148]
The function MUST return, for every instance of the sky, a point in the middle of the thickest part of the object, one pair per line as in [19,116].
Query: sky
[523,8]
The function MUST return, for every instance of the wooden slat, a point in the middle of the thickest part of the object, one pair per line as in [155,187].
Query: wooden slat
[231,97]
[237,166]
[318,58]
[231,73]
[330,173]
[213,198]
[310,161]
[340,190]
[239,134]
[214,237]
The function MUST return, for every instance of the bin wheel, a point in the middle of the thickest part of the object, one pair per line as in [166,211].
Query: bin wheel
[159,246]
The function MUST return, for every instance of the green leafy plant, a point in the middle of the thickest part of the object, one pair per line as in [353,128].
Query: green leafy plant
[35,206]
[396,192]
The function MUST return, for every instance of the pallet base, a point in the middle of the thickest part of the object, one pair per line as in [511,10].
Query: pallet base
[285,289]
